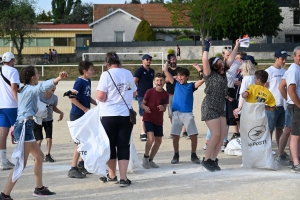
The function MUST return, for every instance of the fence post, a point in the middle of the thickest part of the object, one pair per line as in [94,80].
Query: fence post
[42,70]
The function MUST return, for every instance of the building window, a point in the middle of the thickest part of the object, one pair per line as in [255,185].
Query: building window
[119,36]
[64,42]
[4,43]
[43,42]
[292,38]
[296,17]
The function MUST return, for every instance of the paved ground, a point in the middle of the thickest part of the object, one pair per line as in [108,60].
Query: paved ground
[191,181]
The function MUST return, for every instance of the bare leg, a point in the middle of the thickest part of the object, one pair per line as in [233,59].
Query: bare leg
[271,133]
[112,163]
[123,165]
[283,140]
[294,147]
[155,147]
[215,129]
[75,157]
[194,142]
[176,143]
[223,134]
[38,164]
[3,136]
[49,145]
[39,142]
[278,132]
[236,129]
[149,143]
[143,126]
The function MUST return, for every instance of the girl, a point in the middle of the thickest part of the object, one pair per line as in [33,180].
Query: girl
[27,108]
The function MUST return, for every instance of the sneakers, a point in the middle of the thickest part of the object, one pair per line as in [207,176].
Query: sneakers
[5,197]
[208,164]
[204,147]
[235,135]
[286,155]
[296,169]
[153,164]
[48,158]
[44,192]
[143,137]
[108,179]
[6,166]
[146,163]
[83,170]
[124,183]
[184,134]
[195,159]
[215,163]
[75,173]
[175,159]
[281,159]
[223,147]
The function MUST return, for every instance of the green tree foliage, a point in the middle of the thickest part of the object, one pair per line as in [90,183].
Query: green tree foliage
[144,32]
[17,22]
[44,17]
[82,14]
[135,2]
[62,9]
[156,1]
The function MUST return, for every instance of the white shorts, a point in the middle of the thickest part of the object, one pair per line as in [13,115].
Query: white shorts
[187,119]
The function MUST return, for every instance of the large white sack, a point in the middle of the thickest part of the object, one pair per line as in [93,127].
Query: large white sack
[94,144]
[255,136]
[234,147]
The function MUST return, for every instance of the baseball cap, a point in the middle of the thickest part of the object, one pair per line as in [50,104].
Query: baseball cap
[6,57]
[281,53]
[146,56]
[251,58]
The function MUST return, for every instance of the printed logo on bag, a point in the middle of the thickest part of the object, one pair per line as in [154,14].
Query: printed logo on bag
[82,152]
[257,132]
[77,141]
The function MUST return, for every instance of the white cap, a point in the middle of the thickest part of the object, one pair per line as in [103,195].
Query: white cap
[6,57]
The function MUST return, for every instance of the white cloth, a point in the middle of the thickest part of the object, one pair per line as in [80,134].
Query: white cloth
[256,138]
[247,80]
[114,105]
[7,99]
[234,147]
[17,156]
[274,79]
[41,113]
[232,72]
[245,42]
[293,77]
[93,141]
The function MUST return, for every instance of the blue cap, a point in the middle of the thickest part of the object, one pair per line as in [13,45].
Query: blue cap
[281,53]
[251,58]
[146,56]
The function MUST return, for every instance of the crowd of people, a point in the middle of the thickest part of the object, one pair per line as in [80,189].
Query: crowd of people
[229,82]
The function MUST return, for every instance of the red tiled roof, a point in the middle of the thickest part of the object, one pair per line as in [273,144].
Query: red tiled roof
[63,26]
[156,14]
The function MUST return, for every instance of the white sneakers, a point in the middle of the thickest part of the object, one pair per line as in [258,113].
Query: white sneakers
[6,166]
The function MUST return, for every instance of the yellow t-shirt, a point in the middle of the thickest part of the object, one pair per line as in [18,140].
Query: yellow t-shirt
[258,93]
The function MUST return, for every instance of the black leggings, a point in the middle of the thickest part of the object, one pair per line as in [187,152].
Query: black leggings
[118,130]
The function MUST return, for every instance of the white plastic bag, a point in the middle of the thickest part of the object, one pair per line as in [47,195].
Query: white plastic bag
[41,113]
[256,139]
[93,142]
[234,147]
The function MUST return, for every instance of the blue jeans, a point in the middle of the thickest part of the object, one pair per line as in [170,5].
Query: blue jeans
[276,119]
[141,110]
[29,136]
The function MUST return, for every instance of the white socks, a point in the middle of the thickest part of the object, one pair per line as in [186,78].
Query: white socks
[3,155]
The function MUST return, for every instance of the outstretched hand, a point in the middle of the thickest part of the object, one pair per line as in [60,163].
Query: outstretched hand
[63,75]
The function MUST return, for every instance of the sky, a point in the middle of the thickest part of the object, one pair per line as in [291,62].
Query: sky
[46,4]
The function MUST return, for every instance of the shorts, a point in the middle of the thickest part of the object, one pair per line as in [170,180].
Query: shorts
[156,129]
[141,110]
[38,130]
[287,118]
[187,119]
[29,137]
[170,112]
[8,117]
[276,118]
[295,119]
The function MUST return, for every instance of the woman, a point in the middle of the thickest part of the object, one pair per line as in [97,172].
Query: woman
[115,115]
[212,109]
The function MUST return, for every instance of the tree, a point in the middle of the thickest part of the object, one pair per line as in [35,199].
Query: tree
[135,2]
[156,1]
[44,17]
[62,9]
[82,14]
[144,32]
[17,22]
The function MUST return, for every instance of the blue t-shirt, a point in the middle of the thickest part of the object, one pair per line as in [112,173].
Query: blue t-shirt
[183,99]
[145,80]
[83,87]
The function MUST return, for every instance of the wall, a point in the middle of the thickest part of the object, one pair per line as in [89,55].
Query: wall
[38,59]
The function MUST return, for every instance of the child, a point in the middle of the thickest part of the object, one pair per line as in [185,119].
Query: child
[51,100]
[154,104]
[46,58]
[27,108]
[80,105]
[183,109]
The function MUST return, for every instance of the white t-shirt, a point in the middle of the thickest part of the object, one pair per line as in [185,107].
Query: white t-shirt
[247,80]
[114,104]
[7,99]
[275,76]
[232,72]
[293,77]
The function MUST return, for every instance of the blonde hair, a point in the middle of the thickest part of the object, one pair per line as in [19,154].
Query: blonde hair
[248,68]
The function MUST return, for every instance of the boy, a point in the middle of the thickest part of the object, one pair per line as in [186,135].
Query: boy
[80,105]
[258,92]
[51,100]
[154,104]
[183,110]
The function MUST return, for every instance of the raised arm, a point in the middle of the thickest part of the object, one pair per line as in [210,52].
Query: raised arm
[169,77]
[206,67]
[200,72]
[232,55]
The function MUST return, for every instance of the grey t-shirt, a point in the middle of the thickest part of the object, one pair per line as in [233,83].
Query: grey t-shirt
[50,102]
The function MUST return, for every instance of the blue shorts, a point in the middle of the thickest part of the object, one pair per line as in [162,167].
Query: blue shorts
[141,110]
[8,117]
[287,118]
[29,136]
[74,117]
[276,118]
[156,129]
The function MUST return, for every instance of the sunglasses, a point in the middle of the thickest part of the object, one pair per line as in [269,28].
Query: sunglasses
[149,59]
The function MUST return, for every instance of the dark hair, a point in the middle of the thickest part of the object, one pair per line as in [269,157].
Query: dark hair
[215,67]
[26,73]
[243,54]
[160,75]
[183,71]
[169,56]
[112,58]
[84,65]
[262,75]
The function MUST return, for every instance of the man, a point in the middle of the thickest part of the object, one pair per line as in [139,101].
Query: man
[293,87]
[9,81]
[143,78]
[276,119]
[178,53]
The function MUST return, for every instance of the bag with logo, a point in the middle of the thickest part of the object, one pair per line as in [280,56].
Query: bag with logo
[234,147]
[256,138]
